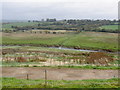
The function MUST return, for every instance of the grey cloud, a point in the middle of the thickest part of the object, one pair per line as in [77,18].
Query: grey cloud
[60,10]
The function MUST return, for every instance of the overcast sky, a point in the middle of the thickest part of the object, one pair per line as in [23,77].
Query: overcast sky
[60,9]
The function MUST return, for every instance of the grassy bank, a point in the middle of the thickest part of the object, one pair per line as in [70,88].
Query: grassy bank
[95,83]
[35,64]
[83,40]
[16,64]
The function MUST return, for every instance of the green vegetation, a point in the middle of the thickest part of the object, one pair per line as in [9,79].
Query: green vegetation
[70,25]
[35,64]
[34,56]
[18,64]
[23,83]
[19,24]
[31,35]
[110,27]
[84,40]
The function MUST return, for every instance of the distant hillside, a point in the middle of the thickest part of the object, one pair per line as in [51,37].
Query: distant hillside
[51,24]
[6,21]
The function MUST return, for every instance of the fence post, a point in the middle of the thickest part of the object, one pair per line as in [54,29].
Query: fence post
[27,77]
[45,78]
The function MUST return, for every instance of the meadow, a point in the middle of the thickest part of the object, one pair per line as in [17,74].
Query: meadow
[19,24]
[82,40]
[110,27]
[95,83]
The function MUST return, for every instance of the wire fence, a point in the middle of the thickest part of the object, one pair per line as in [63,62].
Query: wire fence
[46,82]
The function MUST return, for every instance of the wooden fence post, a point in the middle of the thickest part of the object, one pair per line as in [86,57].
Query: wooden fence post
[45,78]
[27,77]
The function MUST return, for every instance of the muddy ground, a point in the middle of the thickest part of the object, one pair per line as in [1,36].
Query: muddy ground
[58,73]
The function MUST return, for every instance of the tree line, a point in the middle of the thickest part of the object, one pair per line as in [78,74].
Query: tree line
[71,24]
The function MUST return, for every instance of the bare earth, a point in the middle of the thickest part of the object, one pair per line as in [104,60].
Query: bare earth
[57,74]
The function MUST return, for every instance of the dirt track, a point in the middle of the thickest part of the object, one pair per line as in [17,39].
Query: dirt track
[57,74]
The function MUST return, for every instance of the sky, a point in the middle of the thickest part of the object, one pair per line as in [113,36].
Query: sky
[59,9]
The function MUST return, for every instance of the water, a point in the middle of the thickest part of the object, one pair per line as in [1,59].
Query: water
[63,48]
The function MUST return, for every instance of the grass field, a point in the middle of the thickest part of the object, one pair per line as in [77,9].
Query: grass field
[84,40]
[19,24]
[111,27]
[23,83]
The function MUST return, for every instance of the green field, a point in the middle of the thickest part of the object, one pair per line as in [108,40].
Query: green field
[83,40]
[111,27]
[22,83]
[19,24]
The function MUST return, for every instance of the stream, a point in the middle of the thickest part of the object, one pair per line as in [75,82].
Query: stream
[62,48]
